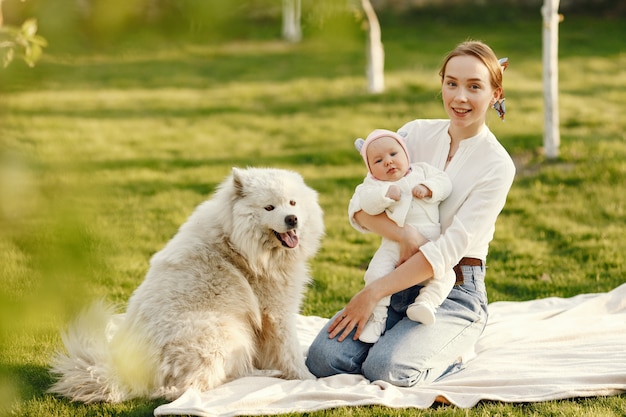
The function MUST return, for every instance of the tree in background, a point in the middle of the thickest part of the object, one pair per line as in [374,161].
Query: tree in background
[363,10]
[22,41]
[291,20]
[551,134]
[375,68]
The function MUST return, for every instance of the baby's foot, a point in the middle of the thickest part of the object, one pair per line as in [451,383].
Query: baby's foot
[372,330]
[421,312]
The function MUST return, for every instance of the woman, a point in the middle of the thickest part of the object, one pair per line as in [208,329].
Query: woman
[409,353]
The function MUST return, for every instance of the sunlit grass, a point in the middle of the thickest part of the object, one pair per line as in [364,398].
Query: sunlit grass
[104,155]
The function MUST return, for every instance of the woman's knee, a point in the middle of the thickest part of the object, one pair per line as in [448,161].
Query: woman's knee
[330,357]
[386,368]
[316,360]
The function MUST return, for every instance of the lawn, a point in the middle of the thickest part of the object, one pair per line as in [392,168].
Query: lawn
[105,151]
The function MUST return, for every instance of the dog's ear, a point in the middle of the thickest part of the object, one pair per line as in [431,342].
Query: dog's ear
[238,175]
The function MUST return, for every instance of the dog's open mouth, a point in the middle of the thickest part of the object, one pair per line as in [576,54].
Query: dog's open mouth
[289,239]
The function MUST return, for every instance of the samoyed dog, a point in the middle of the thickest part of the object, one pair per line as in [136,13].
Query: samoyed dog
[219,301]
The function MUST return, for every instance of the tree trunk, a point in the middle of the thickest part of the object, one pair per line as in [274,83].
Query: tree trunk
[551,135]
[291,20]
[375,69]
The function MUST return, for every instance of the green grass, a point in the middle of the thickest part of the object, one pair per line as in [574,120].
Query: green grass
[104,153]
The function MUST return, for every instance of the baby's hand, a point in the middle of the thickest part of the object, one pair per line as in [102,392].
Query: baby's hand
[421,191]
[394,192]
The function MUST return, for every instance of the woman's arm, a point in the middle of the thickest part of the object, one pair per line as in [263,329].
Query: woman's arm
[412,269]
[407,237]
[357,312]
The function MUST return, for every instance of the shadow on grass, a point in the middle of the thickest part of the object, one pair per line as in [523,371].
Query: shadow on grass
[205,189]
[31,382]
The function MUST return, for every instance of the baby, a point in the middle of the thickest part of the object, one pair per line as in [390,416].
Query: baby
[408,194]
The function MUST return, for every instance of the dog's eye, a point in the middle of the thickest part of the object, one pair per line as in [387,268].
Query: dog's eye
[269,208]
[292,203]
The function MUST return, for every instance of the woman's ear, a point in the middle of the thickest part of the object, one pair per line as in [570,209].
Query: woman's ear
[498,93]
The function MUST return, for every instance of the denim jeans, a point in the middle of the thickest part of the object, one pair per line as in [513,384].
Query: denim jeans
[410,353]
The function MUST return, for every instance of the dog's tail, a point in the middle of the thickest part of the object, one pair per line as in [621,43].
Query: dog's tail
[86,372]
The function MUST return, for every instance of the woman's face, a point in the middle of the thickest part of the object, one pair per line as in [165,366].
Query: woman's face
[467,95]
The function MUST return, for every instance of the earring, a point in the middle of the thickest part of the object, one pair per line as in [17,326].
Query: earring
[500,108]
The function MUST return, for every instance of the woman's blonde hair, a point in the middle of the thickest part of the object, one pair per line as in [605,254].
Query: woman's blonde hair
[485,54]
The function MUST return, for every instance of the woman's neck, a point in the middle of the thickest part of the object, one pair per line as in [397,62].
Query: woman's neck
[456,137]
[459,133]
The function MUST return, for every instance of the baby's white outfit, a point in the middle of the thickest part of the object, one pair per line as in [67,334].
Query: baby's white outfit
[423,214]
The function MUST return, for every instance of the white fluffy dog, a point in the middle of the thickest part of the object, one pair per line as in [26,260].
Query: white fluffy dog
[219,300]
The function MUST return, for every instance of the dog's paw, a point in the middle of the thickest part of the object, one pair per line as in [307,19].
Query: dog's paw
[299,373]
[307,375]
[303,373]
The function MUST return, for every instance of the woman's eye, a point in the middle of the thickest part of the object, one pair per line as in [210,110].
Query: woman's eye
[269,208]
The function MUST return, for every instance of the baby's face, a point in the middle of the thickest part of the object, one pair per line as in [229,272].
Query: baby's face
[386,159]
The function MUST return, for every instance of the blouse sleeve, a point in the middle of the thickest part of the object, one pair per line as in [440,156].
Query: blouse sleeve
[474,221]
[370,198]
[437,182]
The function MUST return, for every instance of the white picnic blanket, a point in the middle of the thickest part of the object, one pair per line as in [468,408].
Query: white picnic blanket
[537,350]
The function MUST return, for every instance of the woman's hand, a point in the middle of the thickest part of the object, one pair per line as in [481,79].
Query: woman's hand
[407,237]
[410,243]
[356,314]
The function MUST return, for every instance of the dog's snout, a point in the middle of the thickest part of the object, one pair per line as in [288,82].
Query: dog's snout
[291,220]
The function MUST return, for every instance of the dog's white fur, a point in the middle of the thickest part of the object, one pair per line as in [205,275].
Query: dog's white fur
[219,300]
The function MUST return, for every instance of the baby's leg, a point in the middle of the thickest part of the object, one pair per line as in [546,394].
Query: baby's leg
[375,327]
[383,262]
[434,292]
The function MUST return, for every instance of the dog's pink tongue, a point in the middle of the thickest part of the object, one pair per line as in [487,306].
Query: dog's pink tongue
[290,238]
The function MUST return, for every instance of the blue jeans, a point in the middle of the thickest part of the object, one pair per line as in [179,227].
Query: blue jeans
[410,353]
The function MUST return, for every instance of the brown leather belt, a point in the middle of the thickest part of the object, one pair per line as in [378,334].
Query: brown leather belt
[465,262]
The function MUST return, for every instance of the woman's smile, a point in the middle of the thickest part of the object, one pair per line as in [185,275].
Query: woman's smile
[460,112]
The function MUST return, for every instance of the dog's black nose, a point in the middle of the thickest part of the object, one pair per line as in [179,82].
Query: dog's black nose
[291,220]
